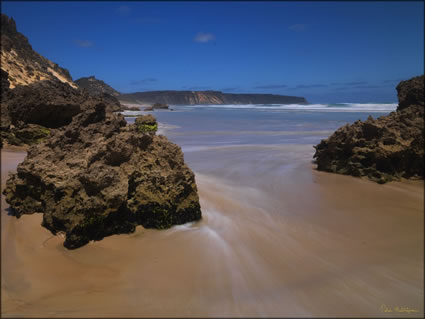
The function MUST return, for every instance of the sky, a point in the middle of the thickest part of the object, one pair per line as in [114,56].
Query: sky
[327,52]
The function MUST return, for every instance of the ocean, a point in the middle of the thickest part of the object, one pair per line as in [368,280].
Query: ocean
[277,238]
[220,139]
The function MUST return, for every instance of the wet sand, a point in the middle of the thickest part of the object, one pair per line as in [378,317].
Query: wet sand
[276,239]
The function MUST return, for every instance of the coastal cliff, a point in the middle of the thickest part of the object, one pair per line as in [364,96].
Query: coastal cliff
[99,89]
[22,64]
[36,94]
[96,86]
[383,149]
[206,97]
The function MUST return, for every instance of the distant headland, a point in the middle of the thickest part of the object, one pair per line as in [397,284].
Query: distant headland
[207,97]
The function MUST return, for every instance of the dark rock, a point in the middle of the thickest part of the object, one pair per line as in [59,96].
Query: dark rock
[98,176]
[47,103]
[51,104]
[384,149]
[100,89]
[112,102]
[410,92]
[130,108]
[160,106]
[156,106]
[96,87]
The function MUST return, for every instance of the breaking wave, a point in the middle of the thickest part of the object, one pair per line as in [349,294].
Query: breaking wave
[340,107]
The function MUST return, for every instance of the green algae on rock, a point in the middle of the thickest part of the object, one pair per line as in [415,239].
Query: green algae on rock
[99,176]
[146,124]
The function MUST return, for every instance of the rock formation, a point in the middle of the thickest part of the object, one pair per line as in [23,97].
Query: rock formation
[47,104]
[23,65]
[98,88]
[382,149]
[130,108]
[95,86]
[206,97]
[156,106]
[36,94]
[98,176]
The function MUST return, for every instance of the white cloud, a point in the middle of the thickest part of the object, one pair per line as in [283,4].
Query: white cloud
[204,37]
[298,27]
[84,43]
[124,10]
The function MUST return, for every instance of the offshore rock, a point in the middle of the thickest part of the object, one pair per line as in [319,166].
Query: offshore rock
[156,106]
[382,149]
[98,176]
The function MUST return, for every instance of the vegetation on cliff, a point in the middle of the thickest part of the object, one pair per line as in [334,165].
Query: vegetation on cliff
[23,65]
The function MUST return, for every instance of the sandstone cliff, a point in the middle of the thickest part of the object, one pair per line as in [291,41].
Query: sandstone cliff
[36,94]
[207,97]
[382,149]
[23,65]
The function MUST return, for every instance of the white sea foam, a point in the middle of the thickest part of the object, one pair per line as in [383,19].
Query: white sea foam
[132,113]
[340,107]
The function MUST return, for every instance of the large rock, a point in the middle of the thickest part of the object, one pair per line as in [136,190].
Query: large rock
[382,149]
[48,104]
[156,106]
[98,176]
[411,92]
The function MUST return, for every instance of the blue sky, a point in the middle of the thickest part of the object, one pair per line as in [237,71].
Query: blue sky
[325,51]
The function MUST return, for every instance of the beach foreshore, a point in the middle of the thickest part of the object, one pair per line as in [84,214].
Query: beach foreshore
[314,244]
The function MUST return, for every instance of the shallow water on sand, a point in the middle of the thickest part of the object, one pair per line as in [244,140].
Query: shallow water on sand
[277,238]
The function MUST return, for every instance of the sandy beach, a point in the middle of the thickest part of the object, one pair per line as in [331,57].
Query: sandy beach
[244,160]
[298,243]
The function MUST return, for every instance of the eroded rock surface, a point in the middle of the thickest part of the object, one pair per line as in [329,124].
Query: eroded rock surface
[48,104]
[98,176]
[382,149]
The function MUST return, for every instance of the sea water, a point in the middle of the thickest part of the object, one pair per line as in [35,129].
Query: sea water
[278,238]
[220,139]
